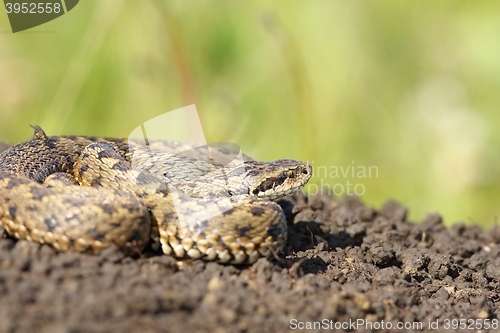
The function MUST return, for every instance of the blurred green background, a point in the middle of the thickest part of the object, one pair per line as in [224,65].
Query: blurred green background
[410,88]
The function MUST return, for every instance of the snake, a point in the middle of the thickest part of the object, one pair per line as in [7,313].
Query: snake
[86,194]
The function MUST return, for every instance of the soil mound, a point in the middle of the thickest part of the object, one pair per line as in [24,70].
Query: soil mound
[344,262]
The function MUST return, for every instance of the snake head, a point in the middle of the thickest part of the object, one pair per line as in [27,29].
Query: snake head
[272,180]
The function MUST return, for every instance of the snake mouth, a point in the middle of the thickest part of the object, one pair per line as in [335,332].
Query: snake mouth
[287,182]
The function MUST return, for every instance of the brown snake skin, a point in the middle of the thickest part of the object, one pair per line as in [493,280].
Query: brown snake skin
[86,193]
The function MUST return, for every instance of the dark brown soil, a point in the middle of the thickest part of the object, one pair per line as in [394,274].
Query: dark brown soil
[344,261]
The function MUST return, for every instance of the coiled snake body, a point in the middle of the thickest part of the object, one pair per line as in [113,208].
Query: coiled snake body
[86,193]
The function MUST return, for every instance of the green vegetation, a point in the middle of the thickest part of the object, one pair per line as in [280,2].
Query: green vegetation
[408,87]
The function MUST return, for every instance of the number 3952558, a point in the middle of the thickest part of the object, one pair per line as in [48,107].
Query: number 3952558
[33,8]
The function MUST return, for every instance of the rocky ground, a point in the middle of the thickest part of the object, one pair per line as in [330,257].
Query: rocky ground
[344,262]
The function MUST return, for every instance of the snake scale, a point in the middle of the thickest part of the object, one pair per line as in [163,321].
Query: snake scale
[86,194]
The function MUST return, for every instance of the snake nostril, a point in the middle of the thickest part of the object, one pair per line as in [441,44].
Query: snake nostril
[304,172]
